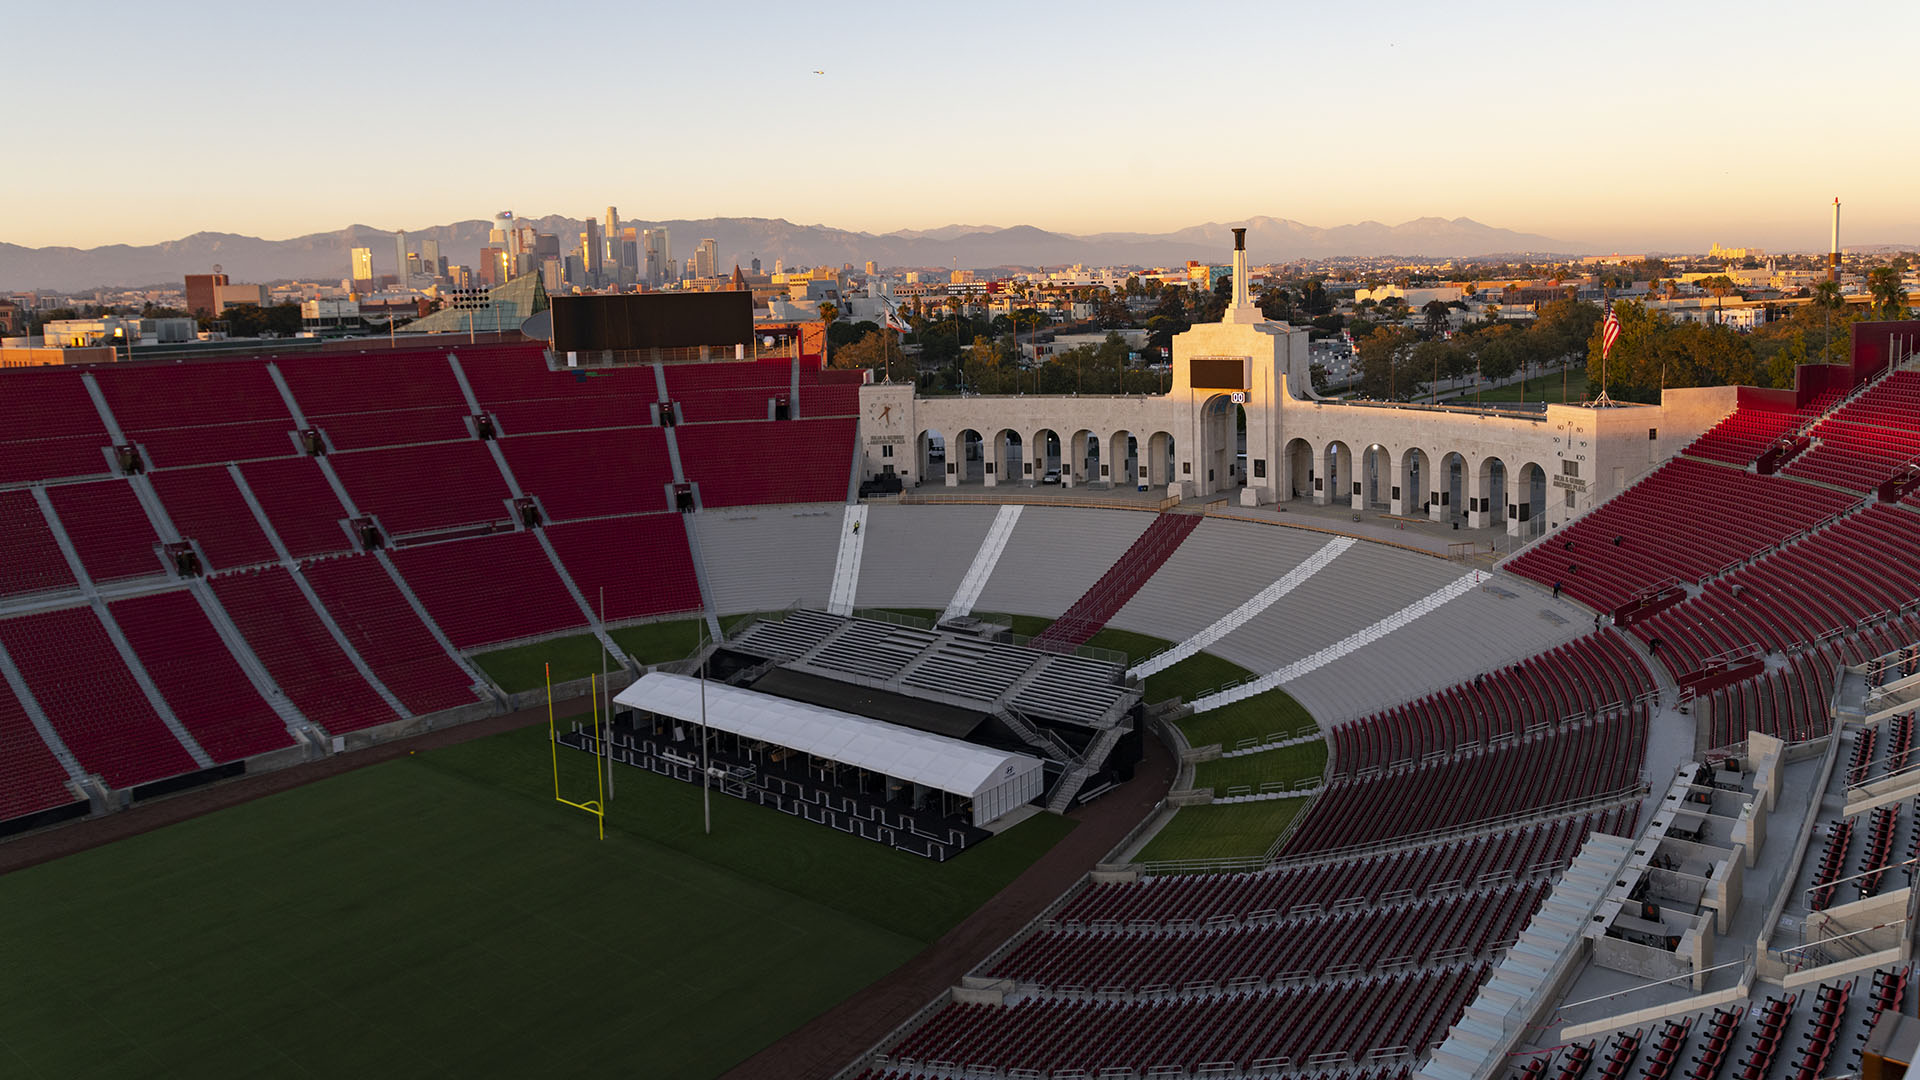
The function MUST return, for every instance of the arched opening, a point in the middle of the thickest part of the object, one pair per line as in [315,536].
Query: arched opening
[1047,463]
[1010,463]
[972,457]
[1123,455]
[1530,491]
[1487,505]
[1335,485]
[1240,465]
[1414,483]
[1453,490]
[1376,478]
[932,457]
[1214,466]
[1160,459]
[1083,459]
[1296,471]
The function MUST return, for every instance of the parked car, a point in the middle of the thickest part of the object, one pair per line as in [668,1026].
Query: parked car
[1051,476]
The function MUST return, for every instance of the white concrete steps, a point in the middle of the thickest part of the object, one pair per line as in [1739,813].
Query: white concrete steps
[846,565]
[1357,640]
[1239,616]
[984,561]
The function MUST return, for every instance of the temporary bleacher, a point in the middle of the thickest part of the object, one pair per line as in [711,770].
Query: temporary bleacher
[388,634]
[205,505]
[1575,680]
[1109,594]
[35,780]
[92,701]
[49,429]
[604,558]
[1565,765]
[1688,521]
[198,676]
[108,527]
[299,652]
[785,461]
[490,589]
[583,474]
[431,488]
[30,558]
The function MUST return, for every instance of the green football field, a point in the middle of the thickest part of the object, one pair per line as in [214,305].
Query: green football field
[441,915]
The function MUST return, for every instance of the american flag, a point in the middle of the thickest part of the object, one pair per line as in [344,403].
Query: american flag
[1609,333]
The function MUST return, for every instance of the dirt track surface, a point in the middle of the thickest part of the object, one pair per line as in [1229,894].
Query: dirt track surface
[836,1037]
[61,840]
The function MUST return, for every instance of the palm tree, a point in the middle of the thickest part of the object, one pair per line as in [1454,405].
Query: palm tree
[1719,285]
[1826,296]
[828,312]
[1889,295]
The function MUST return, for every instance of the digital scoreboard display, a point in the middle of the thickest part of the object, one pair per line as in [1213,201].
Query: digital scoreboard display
[673,320]
[1219,372]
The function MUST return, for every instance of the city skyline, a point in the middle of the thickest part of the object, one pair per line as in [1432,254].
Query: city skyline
[1650,127]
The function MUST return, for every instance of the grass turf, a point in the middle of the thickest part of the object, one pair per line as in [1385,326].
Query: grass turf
[1541,388]
[1237,830]
[1272,713]
[1192,677]
[523,666]
[440,914]
[1136,646]
[1024,625]
[1285,765]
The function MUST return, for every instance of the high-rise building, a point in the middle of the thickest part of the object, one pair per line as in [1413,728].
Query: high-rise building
[202,290]
[611,241]
[363,264]
[430,258]
[658,244]
[869,267]
[400,256]
[493,266]
[590,254]
[706,261]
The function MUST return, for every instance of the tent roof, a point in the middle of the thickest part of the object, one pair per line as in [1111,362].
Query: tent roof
[933,760]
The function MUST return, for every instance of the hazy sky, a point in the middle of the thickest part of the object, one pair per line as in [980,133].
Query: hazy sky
[1625,125]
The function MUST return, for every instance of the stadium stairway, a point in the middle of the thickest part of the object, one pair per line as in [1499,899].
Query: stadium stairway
[1357,640]
[1238,617]
[1124,578]
[984,561]
[846,566]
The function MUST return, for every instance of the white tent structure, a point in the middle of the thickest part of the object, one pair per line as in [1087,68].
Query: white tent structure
[996,782]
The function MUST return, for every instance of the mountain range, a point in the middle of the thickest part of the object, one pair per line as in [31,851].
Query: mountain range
[326,256]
